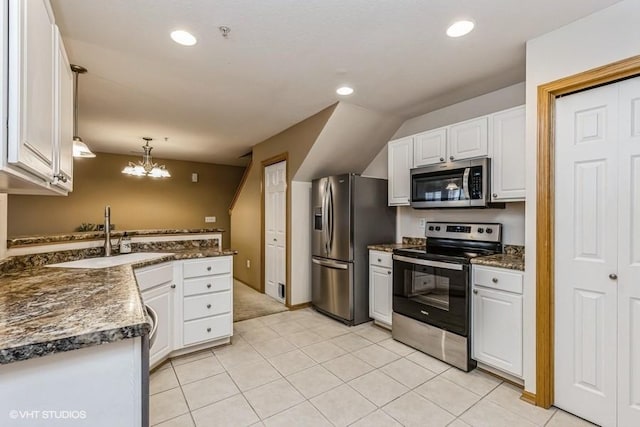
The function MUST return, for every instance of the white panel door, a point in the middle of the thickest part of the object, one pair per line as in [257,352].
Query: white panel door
[275,205]
[629,255]
[400,163]
[380,294]
[430,147]
[469,139]
[586,250]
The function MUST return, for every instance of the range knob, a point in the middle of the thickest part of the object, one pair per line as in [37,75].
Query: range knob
[480,230]
[431,228]
[437,228]
[489,230]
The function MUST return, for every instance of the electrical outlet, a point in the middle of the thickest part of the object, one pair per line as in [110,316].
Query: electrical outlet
[248,263]
[209,219]
[422,222]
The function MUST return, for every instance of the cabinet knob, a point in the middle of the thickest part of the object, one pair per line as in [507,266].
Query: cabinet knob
[442,159]
[60,177]
[451,157]
[209,268]
[275,240]
[389,272]
[173,286]
[495,194]
[494,280]
[475,291]
[208,329]
[209,285]
[379,259]
[613,276]
[208,305]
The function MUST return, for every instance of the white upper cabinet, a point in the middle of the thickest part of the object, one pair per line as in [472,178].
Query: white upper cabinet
[430,147]
[508,155]
[469,139]
[39,102]
[63,158]
[400,163]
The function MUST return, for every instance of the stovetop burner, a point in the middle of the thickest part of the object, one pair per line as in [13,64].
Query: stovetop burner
[457,242]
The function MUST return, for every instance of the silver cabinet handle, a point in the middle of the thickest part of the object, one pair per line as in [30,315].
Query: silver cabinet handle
[442,159]
[173,286]
[208,305]
[451,157]
[475,291]
[495,194]
[60,178]
[494,280]
[209,268]
[209,285]
[379,259]
[613,276]
[389,272]
[208,329]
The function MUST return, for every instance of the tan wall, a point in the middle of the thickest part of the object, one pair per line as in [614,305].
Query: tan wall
[246,215]
[136,202]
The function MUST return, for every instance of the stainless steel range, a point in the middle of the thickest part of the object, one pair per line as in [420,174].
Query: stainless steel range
[431,289]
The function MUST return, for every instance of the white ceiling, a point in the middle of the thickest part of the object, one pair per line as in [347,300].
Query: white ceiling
[282,63]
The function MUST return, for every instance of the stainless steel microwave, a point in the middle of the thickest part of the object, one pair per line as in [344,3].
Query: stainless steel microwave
[459,184]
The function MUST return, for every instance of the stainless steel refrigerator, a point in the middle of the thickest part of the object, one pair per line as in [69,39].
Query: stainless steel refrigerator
[349,213]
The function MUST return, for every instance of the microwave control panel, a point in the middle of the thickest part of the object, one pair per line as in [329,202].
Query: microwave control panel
[475,183]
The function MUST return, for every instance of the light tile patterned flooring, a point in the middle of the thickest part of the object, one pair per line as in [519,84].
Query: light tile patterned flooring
[301,368]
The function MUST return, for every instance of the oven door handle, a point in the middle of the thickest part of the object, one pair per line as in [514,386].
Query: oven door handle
[465,183]
[428,263]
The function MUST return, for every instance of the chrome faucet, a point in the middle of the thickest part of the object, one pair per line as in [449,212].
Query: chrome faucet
[107,230]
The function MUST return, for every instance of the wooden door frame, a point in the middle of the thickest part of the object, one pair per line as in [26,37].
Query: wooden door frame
[545,243]
[282,157]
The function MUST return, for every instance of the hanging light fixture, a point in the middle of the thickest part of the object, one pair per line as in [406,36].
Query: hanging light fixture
[80,149]
[146,167]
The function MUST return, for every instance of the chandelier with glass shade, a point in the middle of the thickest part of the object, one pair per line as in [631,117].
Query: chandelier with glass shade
[146,167]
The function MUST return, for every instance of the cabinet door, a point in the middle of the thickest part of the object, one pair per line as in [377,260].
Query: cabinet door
[31,93]
[380,294]
[497,329]
[469,139]
[63,152]
[161,299]
[430,147]
[400,163]
[508,162]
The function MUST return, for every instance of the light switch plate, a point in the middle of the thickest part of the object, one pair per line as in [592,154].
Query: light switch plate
[209,219]
[422,222]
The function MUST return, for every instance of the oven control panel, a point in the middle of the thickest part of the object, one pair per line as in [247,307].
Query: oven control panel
[464,231]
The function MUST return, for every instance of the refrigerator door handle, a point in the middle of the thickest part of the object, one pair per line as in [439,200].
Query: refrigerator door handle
[330,264]
[325,214]
[330,231]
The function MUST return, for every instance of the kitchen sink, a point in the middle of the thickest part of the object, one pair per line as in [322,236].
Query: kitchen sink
[111,261]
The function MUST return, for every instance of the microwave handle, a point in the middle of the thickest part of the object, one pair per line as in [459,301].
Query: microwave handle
[465,183]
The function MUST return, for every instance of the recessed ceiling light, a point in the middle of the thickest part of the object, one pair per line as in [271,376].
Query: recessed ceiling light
[344,90]
[183,37]
[460,28]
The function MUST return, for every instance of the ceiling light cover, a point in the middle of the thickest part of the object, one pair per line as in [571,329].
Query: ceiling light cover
[184,38]
[146,167]
[344,90]
[460,28]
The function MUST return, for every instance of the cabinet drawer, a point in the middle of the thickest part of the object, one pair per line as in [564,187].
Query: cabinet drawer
[148,277]
[382,259]
[207,305]
[206,284]
[206,329]
[497,278]
[207,266]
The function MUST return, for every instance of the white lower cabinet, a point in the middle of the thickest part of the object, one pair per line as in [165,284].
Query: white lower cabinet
[193,300]
[380,287]
[496,334]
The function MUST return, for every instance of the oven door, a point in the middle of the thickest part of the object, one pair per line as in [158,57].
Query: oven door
[433,292]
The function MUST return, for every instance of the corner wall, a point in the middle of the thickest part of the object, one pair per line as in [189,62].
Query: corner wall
[246,215]
[598,39]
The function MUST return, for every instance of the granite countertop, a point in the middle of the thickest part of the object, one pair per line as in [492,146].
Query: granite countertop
[96,235]
[45,310]
[512,261]
[389,247]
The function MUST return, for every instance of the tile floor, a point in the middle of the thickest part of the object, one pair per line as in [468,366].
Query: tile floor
[301,368]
